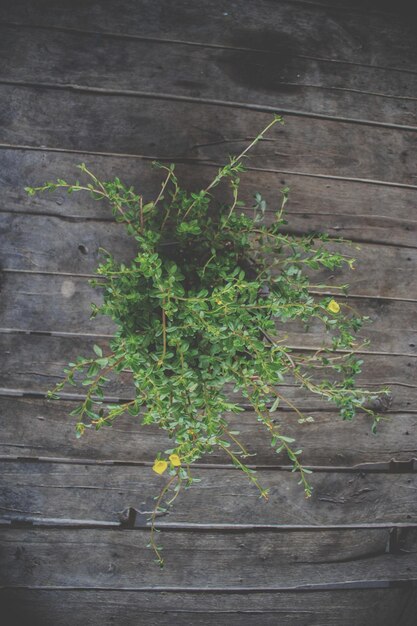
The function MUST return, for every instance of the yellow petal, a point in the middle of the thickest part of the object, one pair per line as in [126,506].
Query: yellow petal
[175,460]
[160,466]
[333,306]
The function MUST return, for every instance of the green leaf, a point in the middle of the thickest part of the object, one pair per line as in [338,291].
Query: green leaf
[286,439]
[275,405]
[77,411]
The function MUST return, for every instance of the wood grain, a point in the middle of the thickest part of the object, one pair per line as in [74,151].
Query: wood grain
[34,363]
[74,248]
[358,211]
[362,607]
[131,80]
[78,120]
[263,560]
[32,427]
[308,194]
[253,78]
[26,305]
[304,28]
[35,490]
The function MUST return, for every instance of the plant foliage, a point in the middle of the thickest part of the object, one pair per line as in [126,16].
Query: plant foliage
[201,313]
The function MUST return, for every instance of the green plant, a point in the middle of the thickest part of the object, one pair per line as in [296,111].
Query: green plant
[197,311]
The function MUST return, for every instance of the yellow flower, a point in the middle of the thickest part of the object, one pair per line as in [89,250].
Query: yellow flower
[175,460]
[333,306]
[159,466]
[218,301]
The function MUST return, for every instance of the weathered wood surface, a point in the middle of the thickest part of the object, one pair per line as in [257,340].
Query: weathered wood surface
[243,76]
[354,210]
[87,607]
[262,560]
[82,121]
[133,608]
[34,362]
[36,490]
[37,428]
[307,29]
[338,60]
[27,300]
[73,247]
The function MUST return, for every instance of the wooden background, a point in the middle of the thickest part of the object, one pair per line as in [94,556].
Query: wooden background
[117,84]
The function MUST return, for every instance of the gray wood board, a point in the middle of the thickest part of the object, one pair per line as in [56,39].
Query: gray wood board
[252,78]
[263,560]
[342,44]
[27,299]
[40,490]
[51,244]
[82,121]
[286,27]
[37,428]
[79,607]
[354,210]
[34,363]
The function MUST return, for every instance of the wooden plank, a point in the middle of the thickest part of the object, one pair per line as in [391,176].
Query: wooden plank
[34,363]
[36,491]
[359,211]
[74,248]
[82,121]
[308,194]
[370,607]
[407,612]
[384,7]
[252,78]
[356,6]
[41,493]
[36,428]
[262,560]
[26,305]
[65,247]
[303,28]
[66,607]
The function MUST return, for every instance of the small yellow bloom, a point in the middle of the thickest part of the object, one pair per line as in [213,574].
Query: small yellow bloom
[159,466]
[175,460]
[218,301]
[333,306]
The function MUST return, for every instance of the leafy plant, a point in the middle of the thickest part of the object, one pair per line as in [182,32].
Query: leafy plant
[200,311]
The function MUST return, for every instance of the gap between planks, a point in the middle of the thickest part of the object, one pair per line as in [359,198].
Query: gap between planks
[390,467]
[360,584]
[205,101]
[85,524]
